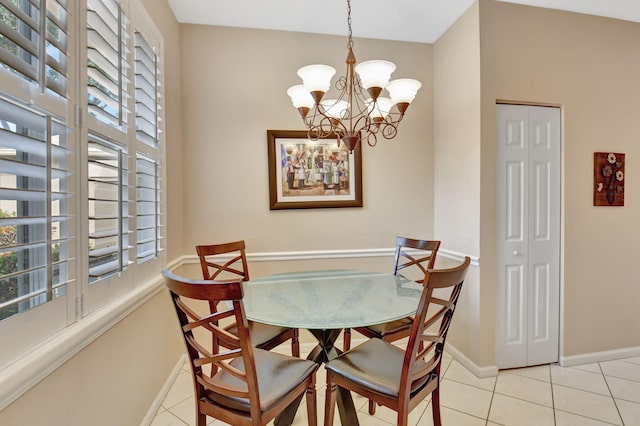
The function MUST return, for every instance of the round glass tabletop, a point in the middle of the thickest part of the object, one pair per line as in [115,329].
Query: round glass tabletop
[330,299]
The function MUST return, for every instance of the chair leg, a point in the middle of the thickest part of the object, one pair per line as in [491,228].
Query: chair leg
[346,339]
[201,419]
[435,406]
[312,407]
[295,344]
[403,419]
[372,407]
[330,400]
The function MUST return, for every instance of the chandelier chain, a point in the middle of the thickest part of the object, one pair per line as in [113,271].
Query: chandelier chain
[350,40]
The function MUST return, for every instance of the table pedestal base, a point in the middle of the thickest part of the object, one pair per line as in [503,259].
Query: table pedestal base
[323,352]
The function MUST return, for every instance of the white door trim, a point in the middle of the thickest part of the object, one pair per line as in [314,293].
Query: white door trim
[520,329]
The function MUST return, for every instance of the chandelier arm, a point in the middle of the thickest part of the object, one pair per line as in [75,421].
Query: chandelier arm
[372,139]
[388,130]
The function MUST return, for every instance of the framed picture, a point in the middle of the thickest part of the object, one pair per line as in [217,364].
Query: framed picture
[306,174]
[608,179]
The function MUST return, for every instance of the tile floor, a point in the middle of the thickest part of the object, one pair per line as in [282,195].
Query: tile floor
[605,393]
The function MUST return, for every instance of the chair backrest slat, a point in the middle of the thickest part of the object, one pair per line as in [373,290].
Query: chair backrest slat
[414,264]
[212,269]
[421,361]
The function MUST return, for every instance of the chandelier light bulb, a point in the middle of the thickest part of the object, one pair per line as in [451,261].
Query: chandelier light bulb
[317,79]
[300,96]
[301,99]
[403,90]
[374,75]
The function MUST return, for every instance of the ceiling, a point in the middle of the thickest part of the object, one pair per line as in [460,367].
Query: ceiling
[410,20]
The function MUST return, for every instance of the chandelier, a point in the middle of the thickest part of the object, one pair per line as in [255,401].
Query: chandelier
[360,111]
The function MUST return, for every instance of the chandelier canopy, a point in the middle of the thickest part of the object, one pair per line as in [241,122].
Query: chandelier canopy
[361,111]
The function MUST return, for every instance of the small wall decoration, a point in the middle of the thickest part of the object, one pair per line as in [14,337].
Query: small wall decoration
[608,179]
[305,174]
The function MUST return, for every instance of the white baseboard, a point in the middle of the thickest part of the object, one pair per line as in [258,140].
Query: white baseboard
[481,372]
[589,358]
[157,402]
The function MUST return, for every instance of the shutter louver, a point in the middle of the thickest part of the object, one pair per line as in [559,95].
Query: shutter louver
[146,92]
[108,208]
[34,209]
[147,207]
[34,43]
[107,62]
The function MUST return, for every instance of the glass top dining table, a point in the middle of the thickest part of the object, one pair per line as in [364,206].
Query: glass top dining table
[325,302]
[333,299]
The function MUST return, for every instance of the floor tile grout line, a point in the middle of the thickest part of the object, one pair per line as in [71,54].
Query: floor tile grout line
[583,390]
[622,378]
[586,417]
[493,394]
[615,403]
[468,384]
[177,417]
[553,400]
[522,375]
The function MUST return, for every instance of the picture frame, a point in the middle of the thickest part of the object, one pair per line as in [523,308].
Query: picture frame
[307,174]
[608,178]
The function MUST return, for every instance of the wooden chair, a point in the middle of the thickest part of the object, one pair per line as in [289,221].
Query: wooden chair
[263,336]
[401,378]
[412,265]
[240,386]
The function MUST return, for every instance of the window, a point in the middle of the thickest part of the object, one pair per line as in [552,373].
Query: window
[33,48]
[148,205]
[122,79]
[108,208]
[148,216]
[146,92]
[34,209]
[36,250]
[81,161]
[107,62]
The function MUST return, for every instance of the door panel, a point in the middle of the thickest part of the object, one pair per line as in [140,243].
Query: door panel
[515,202]
[515,306]
[528,235]
[541,202]
[541,305]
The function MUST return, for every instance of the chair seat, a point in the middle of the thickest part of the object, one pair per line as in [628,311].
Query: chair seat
[277,376]
[376,365]
[380,330]
[260,333]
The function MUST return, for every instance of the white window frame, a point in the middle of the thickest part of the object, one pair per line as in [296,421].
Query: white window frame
[29,328]
[96,294]
[53,332]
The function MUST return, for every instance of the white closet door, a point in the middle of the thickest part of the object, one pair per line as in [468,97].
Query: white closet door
[528,235]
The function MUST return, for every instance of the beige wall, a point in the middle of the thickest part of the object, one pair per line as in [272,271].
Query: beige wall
[457,171]
[114,380]
[234,89]
[591,67]
[457,134]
